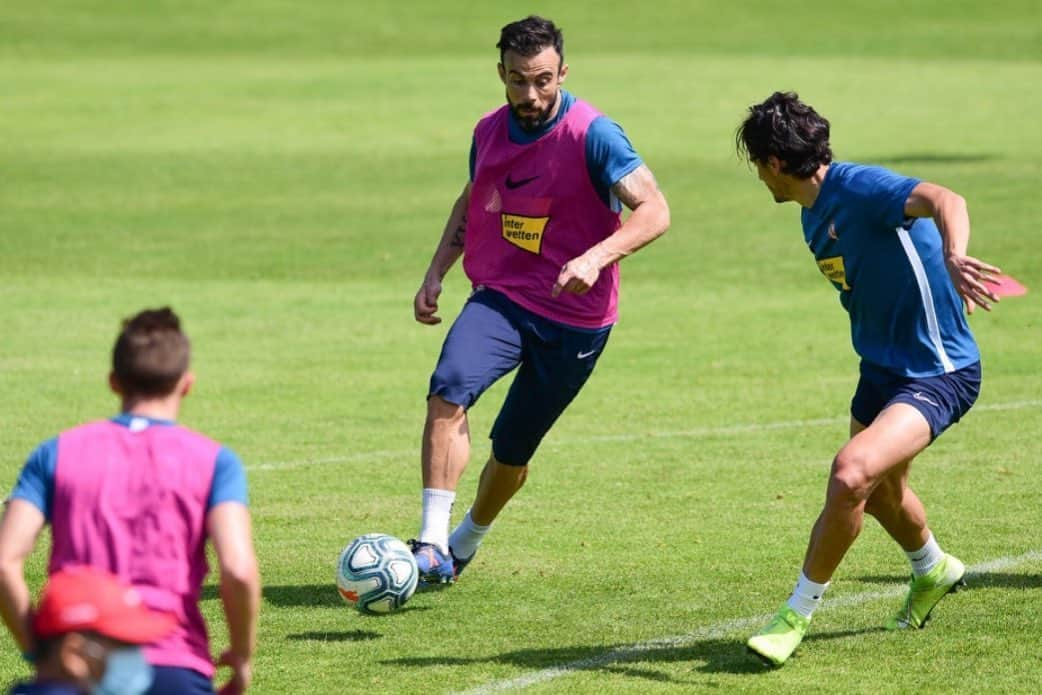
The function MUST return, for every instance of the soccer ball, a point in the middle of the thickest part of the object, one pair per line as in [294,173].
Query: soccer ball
[376,573]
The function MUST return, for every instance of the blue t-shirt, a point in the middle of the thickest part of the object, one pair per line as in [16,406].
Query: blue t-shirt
[609,154]
[36,481]
[905,315]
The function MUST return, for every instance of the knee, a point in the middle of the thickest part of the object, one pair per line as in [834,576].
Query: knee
[439,409]
[517,475]
[850,484]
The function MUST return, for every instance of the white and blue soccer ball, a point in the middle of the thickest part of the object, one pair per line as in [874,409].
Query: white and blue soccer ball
[376,573]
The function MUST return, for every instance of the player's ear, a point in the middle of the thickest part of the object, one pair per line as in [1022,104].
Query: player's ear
[502,72]
[184,387]
[562,73]
[774,164]
[114,384]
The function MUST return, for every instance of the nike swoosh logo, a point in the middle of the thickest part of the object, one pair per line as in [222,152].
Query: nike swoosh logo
[584,355]
[520,182]
[918,395]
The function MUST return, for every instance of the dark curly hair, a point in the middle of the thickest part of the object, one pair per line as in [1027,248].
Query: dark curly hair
[151,353]
[529,36]
[787,128]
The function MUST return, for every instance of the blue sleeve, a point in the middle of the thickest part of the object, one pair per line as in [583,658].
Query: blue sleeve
[36,481]
[886,193]
[473,158]
[609,156]
[229,480]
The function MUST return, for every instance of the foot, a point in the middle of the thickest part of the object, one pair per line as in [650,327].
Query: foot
[926,591]
[776,642]
[435,567]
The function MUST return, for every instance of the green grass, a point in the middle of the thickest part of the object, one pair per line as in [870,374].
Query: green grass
[280,173]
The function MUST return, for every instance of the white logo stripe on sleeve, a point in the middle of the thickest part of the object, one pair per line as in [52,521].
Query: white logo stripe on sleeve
[932,327]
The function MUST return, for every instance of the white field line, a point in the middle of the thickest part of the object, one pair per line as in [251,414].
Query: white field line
[718,631]
[695,433]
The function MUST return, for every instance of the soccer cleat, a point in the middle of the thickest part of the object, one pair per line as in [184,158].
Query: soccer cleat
[926,591]
[776,642]
[435,566]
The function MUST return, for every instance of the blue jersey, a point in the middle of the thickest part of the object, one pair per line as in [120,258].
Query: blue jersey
[905,315]
[609,154]
[36,482]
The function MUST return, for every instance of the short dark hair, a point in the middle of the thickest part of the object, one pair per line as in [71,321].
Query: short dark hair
[529,36]
[151,353]
[787,128]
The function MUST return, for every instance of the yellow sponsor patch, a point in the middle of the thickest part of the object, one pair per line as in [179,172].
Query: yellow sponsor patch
[833,269]
[524,232]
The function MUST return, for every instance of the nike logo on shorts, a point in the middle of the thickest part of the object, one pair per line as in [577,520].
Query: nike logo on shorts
[584,355]
[918,395]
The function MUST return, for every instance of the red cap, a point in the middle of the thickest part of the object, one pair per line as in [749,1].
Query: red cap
[80,599]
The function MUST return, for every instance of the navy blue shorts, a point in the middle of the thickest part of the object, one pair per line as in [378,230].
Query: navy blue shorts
[491,336]
[942,399]
[172,680]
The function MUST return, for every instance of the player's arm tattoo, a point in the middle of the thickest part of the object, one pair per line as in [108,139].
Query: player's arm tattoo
[636,187]
[461,230]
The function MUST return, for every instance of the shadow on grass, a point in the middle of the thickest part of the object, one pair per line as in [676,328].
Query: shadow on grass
[974,580]
[344,636]
[931,158]
[314,595]
[708,656]
[292,595]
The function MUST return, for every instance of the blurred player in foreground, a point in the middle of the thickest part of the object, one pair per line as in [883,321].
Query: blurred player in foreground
[139,495]
[88,629]
[540,230]
[895,249]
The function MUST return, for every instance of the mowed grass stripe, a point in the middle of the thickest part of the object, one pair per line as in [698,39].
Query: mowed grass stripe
[744,428]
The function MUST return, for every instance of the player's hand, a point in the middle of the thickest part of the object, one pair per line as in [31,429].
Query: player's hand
[425,305]
[577,276]
[968,275]
[242,673]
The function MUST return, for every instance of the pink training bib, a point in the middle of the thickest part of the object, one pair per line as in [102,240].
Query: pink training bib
[133,500]
[532,209]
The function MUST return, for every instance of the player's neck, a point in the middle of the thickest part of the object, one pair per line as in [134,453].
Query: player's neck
[557,107]
[806,191]
[164,408]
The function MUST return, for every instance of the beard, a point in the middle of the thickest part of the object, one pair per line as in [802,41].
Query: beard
[531,121]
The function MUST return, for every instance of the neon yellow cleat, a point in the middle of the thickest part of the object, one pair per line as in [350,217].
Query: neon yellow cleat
[775,643]
[924,593]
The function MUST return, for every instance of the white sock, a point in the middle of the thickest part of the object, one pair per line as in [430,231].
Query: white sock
[806,597]
[467,537]
[437,510]
[926,558]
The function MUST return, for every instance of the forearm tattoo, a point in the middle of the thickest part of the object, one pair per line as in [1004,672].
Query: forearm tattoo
[635,187]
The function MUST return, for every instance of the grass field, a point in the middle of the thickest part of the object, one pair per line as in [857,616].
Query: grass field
[280,173]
